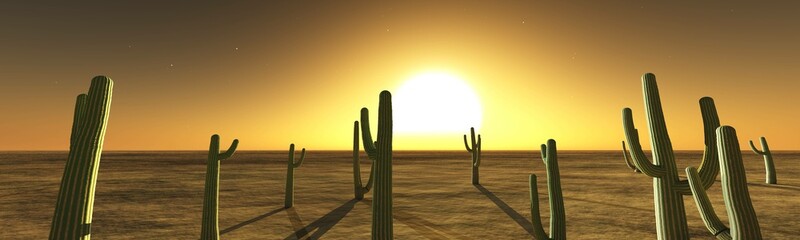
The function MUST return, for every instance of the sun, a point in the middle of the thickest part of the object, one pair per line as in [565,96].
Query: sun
[435,103]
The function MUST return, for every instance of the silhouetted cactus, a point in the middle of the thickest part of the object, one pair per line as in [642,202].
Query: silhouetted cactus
[210,225]
[741,215]
[668,188]
[769,165]
[381,153]
[558,223]
[288,200]
[73,212]
[476,155]
[627,159]
[358,188]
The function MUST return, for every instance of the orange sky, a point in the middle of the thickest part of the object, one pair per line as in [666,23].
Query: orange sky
[280,73]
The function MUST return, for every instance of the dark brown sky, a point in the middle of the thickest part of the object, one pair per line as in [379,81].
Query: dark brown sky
[276,73]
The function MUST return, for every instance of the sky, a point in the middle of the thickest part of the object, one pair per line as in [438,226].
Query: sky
[272,73]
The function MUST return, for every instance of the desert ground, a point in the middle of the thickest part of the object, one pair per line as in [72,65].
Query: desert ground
[159,195]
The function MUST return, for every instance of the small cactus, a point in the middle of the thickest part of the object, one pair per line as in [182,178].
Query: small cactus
[73,212]
[210,225]
[741,215]
[358,188]
[558,225]
[289,198]
[475,150]
[768,163]
[381,153]
[668,188]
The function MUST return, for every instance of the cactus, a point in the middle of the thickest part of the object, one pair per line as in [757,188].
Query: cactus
[72,218]
[668,189]
[289,198]
[768,163]
[358,188]
[628,160]
[558,229]
[381,153]
[210,226]
[476,154]
[741,215]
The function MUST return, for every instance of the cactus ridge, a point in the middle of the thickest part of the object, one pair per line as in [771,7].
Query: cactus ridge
[668,188]
[358,188]
[210,225]
[558,229]
[72,217]
[381,154]
[292,164]
[769,165]
[475,150]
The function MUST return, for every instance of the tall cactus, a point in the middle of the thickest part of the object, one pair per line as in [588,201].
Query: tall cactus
[668,189]
[288,200]
[475,150]
[558,225]
[358,188]
[381,153]
[768,163]
[741,215]
[628,160]
[73,212]
[210,225]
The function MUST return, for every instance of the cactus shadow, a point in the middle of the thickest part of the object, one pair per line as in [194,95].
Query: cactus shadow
[325,223]
[252,220]
[427,228]
[521,220]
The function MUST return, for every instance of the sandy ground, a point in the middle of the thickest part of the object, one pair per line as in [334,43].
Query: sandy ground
[158,195]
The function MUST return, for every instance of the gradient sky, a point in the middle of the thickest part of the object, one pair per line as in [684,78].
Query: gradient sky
[271,73]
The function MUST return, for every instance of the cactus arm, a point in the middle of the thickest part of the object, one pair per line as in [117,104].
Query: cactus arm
[228,153]
[755,150]
[637,155]
[302,157]
[709,167]
[538,230]
[627,159]
[80,113]
[369,145]
[467,144]
[704,206]
[741,215]
[544,153]
[477,162]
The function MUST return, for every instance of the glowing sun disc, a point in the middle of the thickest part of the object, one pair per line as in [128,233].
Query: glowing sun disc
[435,103]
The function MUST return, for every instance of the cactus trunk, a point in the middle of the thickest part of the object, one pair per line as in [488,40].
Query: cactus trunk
[668,189]
[741,215]
[381,153]
[769,165]
[288,200]
[210,225]
[558,229]
[475,150]
[72,218]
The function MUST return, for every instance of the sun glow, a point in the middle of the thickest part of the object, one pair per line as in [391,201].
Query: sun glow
[435,102]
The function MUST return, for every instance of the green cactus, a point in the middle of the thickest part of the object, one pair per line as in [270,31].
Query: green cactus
[358,188]
[289,198]
[768,163]
[210,226]
[476,154]
[628,160]
[381,153]
[73,212]
[741,215]
[668,189]
[558,225]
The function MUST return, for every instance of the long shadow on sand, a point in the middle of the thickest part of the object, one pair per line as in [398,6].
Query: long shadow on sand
[426,228]
[245,223]
[324,223]
[521,220]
